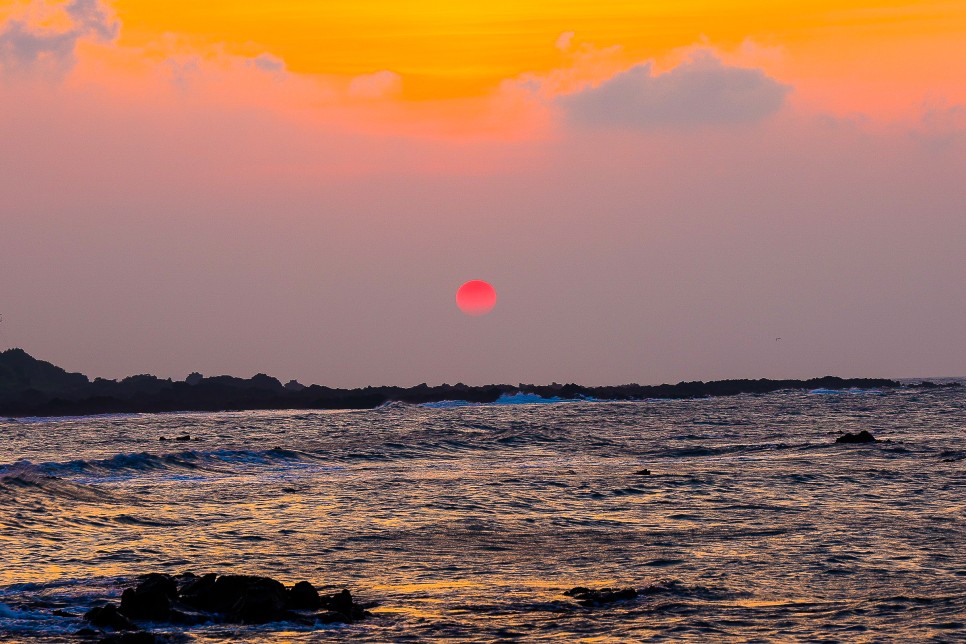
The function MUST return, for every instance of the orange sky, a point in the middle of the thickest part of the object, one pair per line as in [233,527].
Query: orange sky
[687,179]
[885,58]
[854,54]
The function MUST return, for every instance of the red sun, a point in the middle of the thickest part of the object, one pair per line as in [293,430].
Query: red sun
[476,297]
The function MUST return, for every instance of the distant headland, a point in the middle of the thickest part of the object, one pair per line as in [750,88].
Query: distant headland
[31,387]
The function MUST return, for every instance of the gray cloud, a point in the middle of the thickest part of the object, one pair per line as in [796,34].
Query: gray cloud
[23,48]
[91,18]
[701,91]
[268,63]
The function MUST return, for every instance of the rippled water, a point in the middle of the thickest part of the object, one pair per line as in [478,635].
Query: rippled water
[468,523]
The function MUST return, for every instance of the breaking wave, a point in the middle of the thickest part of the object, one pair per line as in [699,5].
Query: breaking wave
[146,462]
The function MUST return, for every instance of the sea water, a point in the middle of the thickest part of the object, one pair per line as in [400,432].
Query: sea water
[467,523]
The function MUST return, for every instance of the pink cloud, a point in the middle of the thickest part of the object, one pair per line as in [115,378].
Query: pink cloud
[700,91]
[28,49]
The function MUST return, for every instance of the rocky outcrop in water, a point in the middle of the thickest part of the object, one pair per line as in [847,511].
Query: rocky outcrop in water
[227,599]
[107,616]
[600,597]
[855,439]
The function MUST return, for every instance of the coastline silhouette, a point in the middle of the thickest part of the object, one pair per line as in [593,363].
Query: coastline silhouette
[32,387]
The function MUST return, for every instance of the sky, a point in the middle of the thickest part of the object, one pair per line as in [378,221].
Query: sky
[657,190]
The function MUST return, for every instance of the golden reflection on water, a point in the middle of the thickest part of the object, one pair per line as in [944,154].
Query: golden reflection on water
[479,519]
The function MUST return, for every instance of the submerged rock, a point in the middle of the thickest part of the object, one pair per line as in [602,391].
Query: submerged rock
[851,439]
[107,616]
[590,597]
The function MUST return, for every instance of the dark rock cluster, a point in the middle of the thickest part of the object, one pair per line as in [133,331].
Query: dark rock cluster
[230,599]
[600,597]
[853,439]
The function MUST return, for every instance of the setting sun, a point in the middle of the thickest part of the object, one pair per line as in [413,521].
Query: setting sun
[476,297]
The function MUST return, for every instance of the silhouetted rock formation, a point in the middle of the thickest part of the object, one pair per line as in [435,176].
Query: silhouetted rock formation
[228,599]
[21,373]
[304,596]
[30,387]
[851,439]
[151,599]
[107,616]
[589,597]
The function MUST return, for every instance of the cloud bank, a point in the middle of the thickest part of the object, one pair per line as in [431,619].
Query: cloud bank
[701,91]
[28,48]
[376,85]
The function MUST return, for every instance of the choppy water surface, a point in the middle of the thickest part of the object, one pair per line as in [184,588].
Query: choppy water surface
[468,523]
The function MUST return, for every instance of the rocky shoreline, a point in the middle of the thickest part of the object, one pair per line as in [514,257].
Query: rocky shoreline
[31,387]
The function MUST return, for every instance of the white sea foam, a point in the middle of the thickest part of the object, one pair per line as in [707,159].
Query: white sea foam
[519,398]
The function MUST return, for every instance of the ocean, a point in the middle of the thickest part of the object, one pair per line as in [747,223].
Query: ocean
[468,522]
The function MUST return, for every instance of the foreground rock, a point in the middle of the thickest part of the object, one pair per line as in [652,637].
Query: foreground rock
[226,599]
[109,617]
[854,439]
[590,597]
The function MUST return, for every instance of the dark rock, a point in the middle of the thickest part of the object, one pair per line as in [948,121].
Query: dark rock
[163,438]
[107,617]
[63,613]
[151,598]
[852,439]
[155,580]
[588,597]
[184,579]
[259,605]
[234,599]
[340,602]
[304,596]
[183,437]
[239,597]
[643,472]
[196,591]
